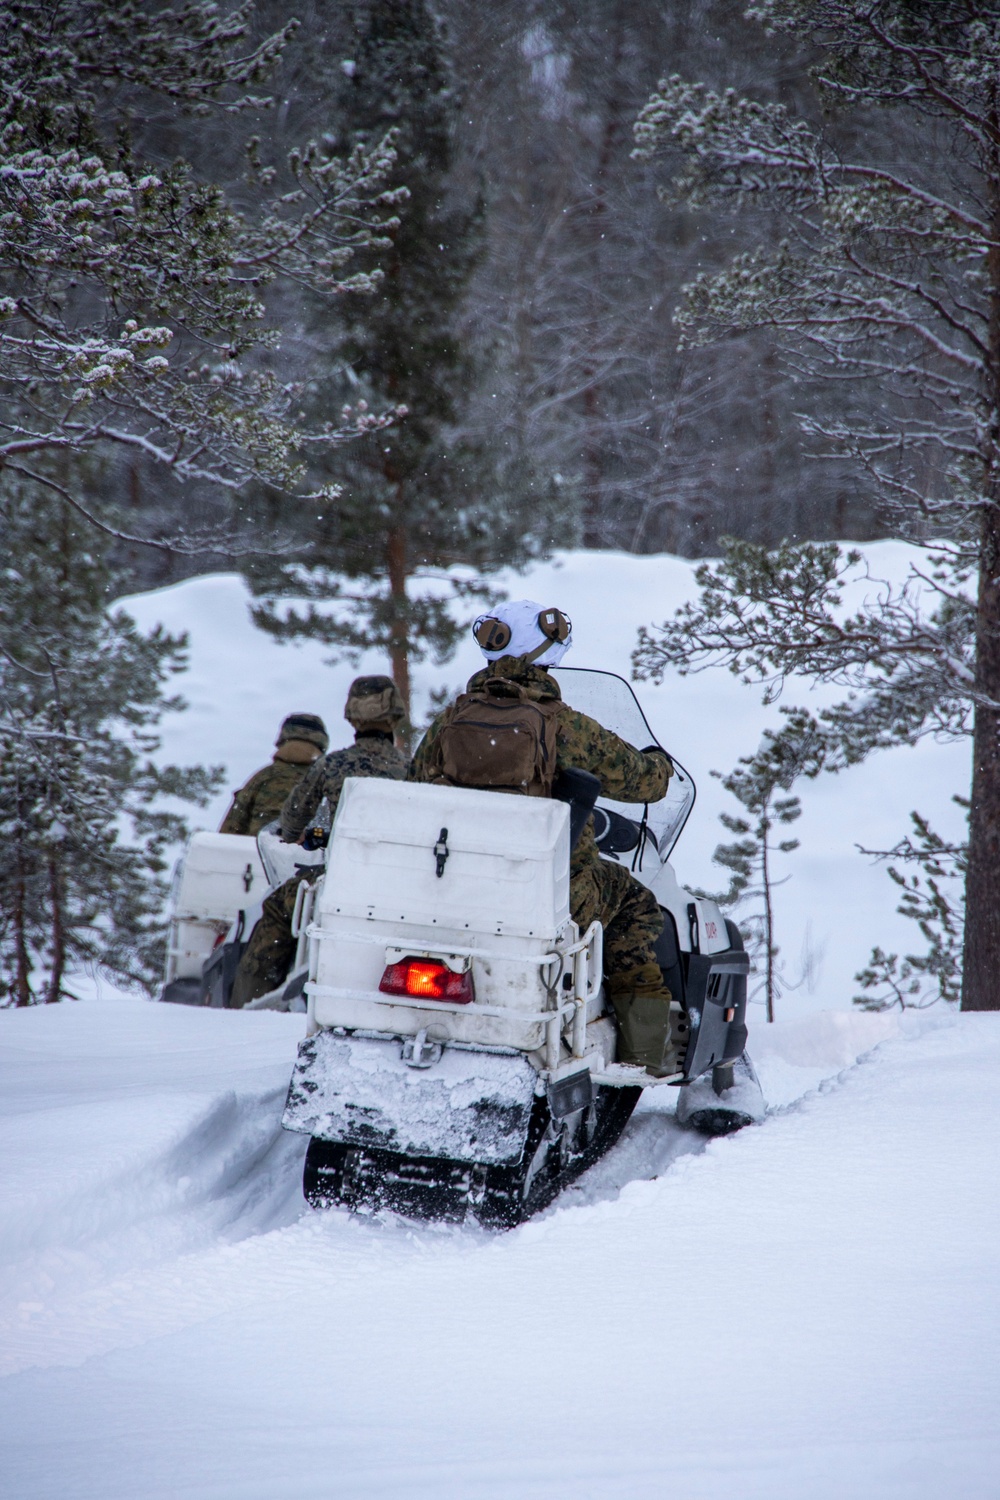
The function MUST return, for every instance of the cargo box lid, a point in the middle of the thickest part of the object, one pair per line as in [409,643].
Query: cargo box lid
[504,860]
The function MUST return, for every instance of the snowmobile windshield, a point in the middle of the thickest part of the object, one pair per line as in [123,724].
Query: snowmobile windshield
[638,836]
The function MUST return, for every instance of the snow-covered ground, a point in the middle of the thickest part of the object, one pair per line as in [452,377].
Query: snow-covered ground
[805,1311]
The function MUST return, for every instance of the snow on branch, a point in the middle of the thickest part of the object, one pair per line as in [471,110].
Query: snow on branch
[133,296]
[769,616]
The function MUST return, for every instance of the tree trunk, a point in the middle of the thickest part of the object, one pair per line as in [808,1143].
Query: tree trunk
[399,647]
[22,958]
[981,954]
[54,989]
[981,959]
[765,867]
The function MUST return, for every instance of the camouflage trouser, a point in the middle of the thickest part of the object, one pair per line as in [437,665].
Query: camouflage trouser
[650,1033]
[268,955]
[629,913]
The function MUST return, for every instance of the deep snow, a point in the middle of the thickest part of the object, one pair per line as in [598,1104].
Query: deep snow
[805,1311]
[809,1308]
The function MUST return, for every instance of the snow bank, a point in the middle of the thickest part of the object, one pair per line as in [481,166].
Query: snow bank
[809,1308]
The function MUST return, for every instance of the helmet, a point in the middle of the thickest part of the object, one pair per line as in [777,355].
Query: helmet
[308,727]
[523,628]
[372,701]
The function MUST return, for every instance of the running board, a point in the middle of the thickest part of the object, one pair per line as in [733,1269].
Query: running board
[630,1076]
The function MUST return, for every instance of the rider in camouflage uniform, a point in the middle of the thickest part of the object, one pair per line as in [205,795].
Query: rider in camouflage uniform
[302,739]
[652,1032]
[373,709]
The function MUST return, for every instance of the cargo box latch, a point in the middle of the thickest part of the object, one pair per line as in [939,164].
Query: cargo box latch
[441,851]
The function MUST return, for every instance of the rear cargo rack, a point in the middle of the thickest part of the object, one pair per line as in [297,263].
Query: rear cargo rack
[586,956]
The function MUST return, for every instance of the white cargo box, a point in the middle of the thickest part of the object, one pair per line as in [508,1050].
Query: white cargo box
[500,907]
[506,870]
[219,875]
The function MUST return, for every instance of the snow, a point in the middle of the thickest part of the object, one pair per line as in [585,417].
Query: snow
[809,1308]
[805,1311]
[368,1092]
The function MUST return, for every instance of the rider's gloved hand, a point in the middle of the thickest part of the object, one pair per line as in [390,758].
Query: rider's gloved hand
[659,750]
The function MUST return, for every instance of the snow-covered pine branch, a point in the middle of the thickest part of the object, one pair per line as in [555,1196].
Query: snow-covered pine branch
[132,293]
[770,615]
[886,282]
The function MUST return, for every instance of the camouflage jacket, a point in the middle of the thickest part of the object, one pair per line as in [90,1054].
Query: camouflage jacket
[261,799]
[372,754]
[626,774]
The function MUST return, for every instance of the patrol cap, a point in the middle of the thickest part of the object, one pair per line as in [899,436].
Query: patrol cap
[521,627]
[373,700]
[308,727]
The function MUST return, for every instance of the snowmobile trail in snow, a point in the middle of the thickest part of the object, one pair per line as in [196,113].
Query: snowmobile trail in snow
[140,1153]
[123,1238]
[160,1152]
[121,1234]
[808,1308]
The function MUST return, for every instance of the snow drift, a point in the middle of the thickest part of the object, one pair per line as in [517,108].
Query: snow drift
[807,1308]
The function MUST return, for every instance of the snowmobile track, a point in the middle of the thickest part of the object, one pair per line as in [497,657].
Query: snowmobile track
[432,1188]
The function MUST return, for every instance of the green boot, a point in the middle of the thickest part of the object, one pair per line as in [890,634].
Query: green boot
[653,1029]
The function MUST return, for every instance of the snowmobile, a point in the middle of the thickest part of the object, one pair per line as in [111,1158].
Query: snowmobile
[460,1051]
[216,897]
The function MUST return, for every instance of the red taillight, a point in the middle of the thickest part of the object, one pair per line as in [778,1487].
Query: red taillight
[425,979]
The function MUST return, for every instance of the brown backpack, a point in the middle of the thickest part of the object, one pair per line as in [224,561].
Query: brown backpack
[501,740]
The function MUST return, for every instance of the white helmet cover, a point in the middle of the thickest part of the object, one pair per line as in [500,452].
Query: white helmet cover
[526,636]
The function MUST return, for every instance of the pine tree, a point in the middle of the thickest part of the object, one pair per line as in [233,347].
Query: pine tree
[757,782]
[83,835]
[419,517]
[930,899]
[132,291]
[887,283]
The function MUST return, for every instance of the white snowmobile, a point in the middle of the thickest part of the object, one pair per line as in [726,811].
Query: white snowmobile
[216,897]
[460,1052]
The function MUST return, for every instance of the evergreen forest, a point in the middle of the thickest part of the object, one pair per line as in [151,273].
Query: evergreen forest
[348,295]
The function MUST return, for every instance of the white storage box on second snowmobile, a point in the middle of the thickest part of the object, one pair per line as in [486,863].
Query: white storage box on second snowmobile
[220,875]
[475,879]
